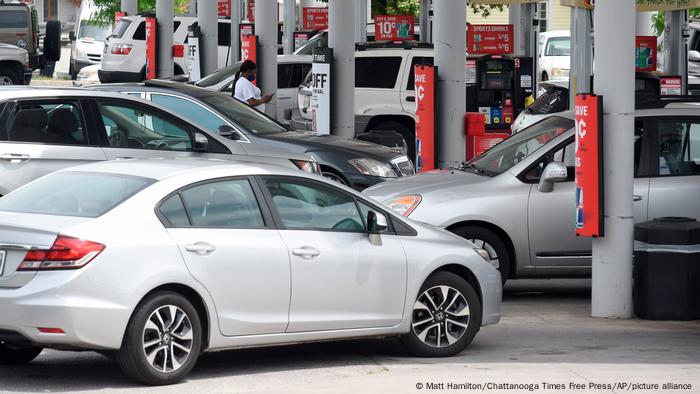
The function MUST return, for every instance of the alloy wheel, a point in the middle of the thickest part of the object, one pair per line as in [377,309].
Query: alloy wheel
[5,80]
[493,255]
[440,316]
[167,338]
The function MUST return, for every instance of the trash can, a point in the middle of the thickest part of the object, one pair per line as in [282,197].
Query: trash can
[667,269]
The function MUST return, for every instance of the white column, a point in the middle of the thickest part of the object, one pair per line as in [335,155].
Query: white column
[235,55]
[266,30]
[581,53]
[207,19]
[675,47]
[164,17]
[644,24]
[341,27]
[614,80]
[425,21]
[360,20]
[192,8]
[289,25]
[450,43]
[131,7]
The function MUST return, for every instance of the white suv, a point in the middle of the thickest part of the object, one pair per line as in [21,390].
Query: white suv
[124,58]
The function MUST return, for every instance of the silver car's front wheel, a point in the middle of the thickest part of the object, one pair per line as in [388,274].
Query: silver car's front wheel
[167,338]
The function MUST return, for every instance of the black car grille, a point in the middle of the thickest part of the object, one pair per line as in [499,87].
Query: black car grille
[405,168]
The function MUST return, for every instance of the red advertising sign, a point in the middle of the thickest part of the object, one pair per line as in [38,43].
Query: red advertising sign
[394,27]
[671,86]
[249,49]
[645,53]
[490,39]
[589,165]
[251,11]
[425,88]
[315,18]
[151,47]
[118,16]
[223,7]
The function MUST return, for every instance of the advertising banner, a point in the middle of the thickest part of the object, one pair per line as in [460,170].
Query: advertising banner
[589,165]
[642,5]
[223,7]
[671,86]
[151,47]
[193,59]
[425,88]
[394,27]
[251,11]
[321,73]
[490,39]
[249,50]
[118,16]
[301,37]
[645,53]
[314,18]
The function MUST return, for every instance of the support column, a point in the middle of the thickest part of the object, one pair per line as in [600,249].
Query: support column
[207,19]
[131,7]
[644,24]
[164,17]
[425,28]
[675,47]
[361,20]
[235,54]
[341,27]
[192,9]
[581,53]
[450,44]
[612,254]
[266,29]
[290,10]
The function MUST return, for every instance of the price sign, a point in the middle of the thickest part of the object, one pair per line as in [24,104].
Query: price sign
[224,7]
[490,39]
[394,27]
[315,18]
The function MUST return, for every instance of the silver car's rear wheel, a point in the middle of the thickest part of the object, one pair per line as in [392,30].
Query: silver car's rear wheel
[440,316]
[167,338]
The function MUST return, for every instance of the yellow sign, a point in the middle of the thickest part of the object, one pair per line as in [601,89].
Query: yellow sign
[642,5]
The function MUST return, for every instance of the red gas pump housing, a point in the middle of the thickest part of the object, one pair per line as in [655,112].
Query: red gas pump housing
[478,140]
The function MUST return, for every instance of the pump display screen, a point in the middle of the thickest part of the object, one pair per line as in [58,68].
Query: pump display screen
[495,81]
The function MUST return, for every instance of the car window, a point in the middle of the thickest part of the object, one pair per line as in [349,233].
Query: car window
[121,28]
[678,147]
[173,210]
[565,155]
[554,99]
[131,126]
[51,122]
[242,114]
[318,41]
[377,72]
[220,75]
[140,33]
[365,209]
[427,60]
[311,206]
[558,46]
[189,109]
[223,204]
[11,19]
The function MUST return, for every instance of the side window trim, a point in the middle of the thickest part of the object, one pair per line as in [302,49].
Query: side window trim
[546,158]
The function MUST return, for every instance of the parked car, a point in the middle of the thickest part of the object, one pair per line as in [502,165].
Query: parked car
[147,247]
[354,163]
[44,130]
[291,71]
[512,202]
[87,41]
[19,26]
[87,76]
[14,66]
[554,58]
[553,97]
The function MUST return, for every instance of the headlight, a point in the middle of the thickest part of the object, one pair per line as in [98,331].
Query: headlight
[404,205]
[79,53]
[308,166]
[372,167]
[560,72]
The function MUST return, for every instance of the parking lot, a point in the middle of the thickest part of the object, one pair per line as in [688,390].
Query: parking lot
[546,336]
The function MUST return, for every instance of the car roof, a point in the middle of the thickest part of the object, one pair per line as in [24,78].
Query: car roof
[155,85]
[23,92]
[556,33]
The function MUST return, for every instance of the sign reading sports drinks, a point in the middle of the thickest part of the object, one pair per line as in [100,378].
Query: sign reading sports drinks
[223,7]
[490,39]
[394,27]
[315,18]
[425,77]
[645,53]
[320,104]
[588,165]
[151,47]
[249,49]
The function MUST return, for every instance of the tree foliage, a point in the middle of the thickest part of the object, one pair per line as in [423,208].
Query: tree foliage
[106,9]
[658,19]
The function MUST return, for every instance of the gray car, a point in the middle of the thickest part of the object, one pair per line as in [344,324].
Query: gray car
[44,130]
[157,261]
[514,202]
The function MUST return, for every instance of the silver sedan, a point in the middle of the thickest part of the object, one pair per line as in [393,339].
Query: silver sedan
[157,261]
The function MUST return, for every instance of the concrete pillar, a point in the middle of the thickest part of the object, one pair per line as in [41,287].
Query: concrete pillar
[235,55]
[289,25]
[425,28]
[361,20]
[581,53]
[341,27]
[207,19]
[192,11]
[131,7]
[164,17]
[644,24]
[450,41]
[266,29]
[521,17]
[675,46]
[246,17]
[612,254]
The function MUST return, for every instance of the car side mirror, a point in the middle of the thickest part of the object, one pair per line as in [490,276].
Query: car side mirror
[229,132]
[694,56]
[553,172]
[201,142]
[71,35]
[376,223]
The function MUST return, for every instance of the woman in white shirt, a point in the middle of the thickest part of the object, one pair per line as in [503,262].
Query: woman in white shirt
[245,91]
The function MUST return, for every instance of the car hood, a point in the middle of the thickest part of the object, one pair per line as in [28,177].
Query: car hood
[11,49]
[330,142]
[439,184]
[560,62]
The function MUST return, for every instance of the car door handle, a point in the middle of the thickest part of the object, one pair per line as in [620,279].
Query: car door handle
[637,197]
[200,248]
[306,252]
[411,99]
[14,158]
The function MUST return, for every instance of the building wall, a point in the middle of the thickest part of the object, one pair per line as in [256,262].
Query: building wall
[559,17]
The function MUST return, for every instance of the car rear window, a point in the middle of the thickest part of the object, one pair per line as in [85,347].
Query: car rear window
[551,101]
[79,194]
[121,28]
[13,19]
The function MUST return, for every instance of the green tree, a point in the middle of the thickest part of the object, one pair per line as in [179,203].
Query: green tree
[106,9]
[659,19]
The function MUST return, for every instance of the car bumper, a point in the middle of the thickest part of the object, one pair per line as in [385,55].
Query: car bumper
[90,315]
[109,76]
[80,64]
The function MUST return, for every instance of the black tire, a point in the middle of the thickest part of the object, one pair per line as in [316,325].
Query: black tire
[545,77]
[9,76]
[482,237]
[469,302]
[408,135]
[52,41]
[334,176]
[71,71]
[10,356]
[131,356]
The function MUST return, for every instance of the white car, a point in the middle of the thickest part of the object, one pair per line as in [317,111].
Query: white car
[87,76]
[87,41]
[552,97]
[554,61]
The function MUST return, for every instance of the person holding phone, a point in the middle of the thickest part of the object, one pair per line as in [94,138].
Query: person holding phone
[245,91]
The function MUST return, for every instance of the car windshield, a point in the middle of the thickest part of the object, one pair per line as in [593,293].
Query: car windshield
[554,99]
[220,75]
[558,46]
[242,114]
[518,147]
[81,194]
[93,31]
[318,41]
[121,28]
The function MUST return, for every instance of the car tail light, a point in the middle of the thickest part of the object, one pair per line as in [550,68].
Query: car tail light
[178,50]
[66,253]
[308,166]
[404,205]
[121,49]
[51,330]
